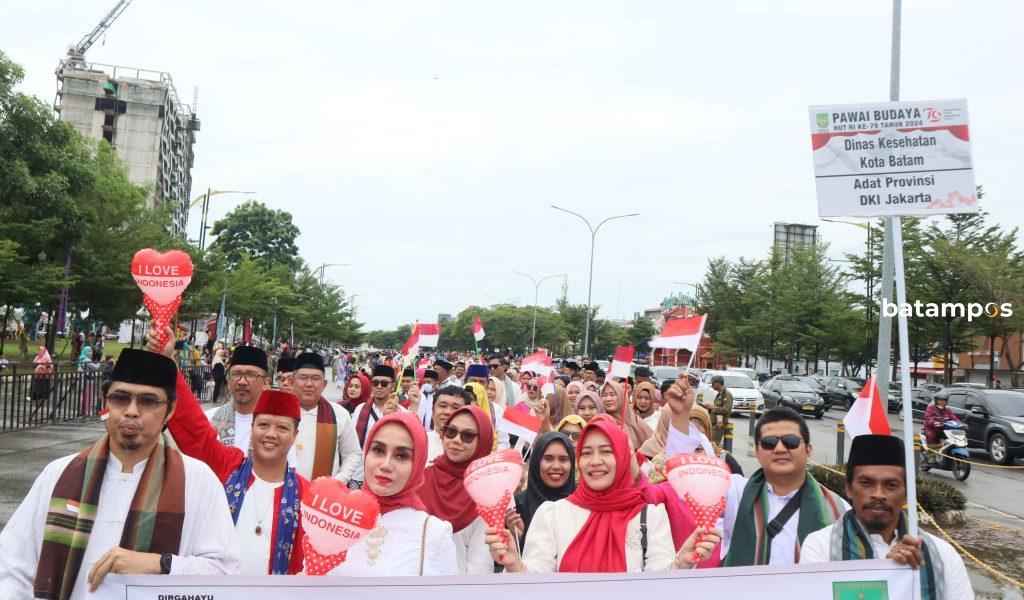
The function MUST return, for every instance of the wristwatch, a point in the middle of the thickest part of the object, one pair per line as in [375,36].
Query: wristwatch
[165,564]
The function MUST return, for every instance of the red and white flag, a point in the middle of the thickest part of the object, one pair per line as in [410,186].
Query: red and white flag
[622,362]
[104,414]
[478,329]
[681,334]
[429,334]
[411,346]
[538,363]
[867,415]
[516,422]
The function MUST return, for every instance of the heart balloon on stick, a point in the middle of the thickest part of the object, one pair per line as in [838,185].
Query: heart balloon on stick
[334,519]
[162,277]
[701,481]
[490,482]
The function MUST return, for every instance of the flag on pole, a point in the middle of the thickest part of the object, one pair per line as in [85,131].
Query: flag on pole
[681,334]
[867,414]
[412,344]
[428,334]
[478,329]
[622,362]
[538,362]
[516,422]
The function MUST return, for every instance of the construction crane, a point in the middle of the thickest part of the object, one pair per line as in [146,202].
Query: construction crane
[76,53]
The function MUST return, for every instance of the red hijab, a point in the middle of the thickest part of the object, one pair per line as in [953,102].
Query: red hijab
[600,545]
[407,497]
[443,492]
[364,391]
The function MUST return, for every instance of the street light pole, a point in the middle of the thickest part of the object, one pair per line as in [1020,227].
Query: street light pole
[536,292]
[324,266]
[590,281]
[206,210]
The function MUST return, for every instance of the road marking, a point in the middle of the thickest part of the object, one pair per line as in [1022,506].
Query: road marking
[995,510]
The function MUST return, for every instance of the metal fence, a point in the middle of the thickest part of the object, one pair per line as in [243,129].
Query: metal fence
[70,393]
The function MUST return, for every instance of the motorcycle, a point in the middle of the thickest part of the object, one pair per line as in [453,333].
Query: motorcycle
[955,445]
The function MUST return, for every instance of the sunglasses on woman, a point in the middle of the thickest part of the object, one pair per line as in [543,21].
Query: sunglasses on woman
[791,442]
[533,388]
[465,435]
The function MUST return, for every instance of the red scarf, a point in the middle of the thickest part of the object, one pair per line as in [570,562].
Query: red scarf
[364,391]
[443,492]
[407,498]
[600,545]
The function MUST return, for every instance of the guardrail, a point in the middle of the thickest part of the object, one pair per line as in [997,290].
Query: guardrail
[67,394]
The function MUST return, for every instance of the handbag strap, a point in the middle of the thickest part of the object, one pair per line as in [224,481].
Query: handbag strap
[774,527]
[643,533]
[423,543]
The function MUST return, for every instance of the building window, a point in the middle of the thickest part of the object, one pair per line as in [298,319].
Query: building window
[109,136]
[108,119]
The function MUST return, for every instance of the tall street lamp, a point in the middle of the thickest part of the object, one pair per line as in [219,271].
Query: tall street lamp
[324,266]
[536,291]
[205,198]
[590,282]
[869,292]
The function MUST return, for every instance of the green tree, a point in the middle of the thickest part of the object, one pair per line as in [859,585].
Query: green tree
[640,334]
[266,235]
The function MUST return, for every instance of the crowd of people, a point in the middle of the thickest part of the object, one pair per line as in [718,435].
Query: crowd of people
[219,492]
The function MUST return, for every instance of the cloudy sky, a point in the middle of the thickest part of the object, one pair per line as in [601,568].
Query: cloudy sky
[423,142]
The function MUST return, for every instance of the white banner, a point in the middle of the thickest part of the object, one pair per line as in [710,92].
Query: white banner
[893,158]
[852,580]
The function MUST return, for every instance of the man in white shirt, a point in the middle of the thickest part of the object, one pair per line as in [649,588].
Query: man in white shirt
[446,401]
[129,504]
[326,444]
[444,369]
[247,375]
[797,504]
[876,527]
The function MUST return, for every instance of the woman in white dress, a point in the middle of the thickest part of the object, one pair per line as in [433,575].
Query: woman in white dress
[406,540]
[597,529]
[467,436]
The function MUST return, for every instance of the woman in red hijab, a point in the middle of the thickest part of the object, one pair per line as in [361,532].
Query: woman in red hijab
[406,540]
[597,528]
[466,436]
[357,391]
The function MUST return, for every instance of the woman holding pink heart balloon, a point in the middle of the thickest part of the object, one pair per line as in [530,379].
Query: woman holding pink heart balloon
[597,529]
[406,540]
[467,436]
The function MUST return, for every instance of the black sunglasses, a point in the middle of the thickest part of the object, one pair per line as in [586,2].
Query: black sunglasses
[124,399]
[533,388]
[466,435]
[791,442]
[493,366]
[381,383]
[574,436]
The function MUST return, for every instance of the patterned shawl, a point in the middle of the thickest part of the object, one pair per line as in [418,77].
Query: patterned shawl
[286,522]
[153,524]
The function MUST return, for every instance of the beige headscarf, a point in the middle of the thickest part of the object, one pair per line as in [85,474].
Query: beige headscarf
[499,388]
[636,429]
[645,385]
[656,444]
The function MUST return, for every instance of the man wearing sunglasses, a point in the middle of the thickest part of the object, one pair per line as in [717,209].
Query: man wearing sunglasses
[247,378]
[497,365]
[768,517]
[326,444]
[129,504]
[876,482]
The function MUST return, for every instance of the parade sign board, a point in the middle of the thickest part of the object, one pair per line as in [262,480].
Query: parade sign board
[893,159]
[864,579]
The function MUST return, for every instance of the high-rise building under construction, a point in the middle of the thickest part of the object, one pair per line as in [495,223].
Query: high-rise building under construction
[140,114]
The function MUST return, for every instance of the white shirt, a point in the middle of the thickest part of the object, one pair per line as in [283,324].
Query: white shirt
[242,433]
[208,542]
[685,443]
[471,552]
[784,544]
[349,454]
[257,509]
[555,525]
[653,418]
[398,544]
[955,582]
[434,446]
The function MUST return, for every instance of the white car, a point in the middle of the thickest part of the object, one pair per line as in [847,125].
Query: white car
[748,372]
[745,395]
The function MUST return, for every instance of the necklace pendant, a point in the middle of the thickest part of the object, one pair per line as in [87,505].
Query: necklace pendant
[259,530]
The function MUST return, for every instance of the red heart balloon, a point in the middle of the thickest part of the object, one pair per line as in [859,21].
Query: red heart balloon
[162,276]
[335,519]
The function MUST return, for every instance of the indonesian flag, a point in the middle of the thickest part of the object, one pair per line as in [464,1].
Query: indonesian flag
[428,334]
[412,344]
[516,422]
[867,415]
[622,361]
[538,362]
[478,329]
[681,334]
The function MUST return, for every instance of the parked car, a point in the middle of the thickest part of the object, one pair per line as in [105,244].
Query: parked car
[994,419]
[842,391]
[895,398]
[745,396]
[787,391]
[968,384]
[921,398]
[932,387]
[816,384]
[660,374]
[752,374]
